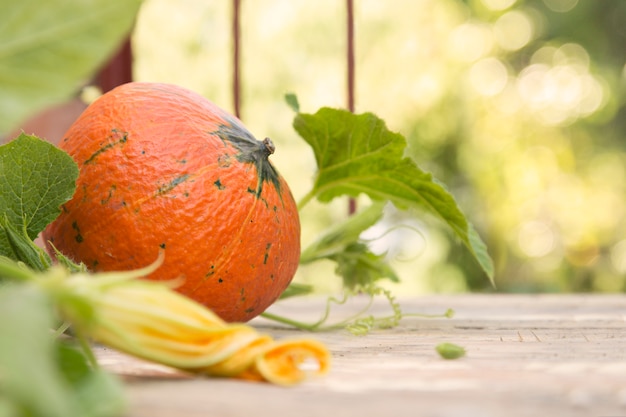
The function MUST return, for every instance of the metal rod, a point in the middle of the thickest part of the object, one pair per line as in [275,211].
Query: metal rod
[350,70]
[236,58]
[350,52]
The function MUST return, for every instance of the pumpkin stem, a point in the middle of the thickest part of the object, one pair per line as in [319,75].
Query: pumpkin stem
[269,146]
[250,150]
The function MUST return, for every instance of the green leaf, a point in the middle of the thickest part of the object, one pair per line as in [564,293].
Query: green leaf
[35,179]
[30,376]
[66,262]
[360,267]
[7,407]
[74,364]
[338,237]
[49,48]
[357,154]
[43,376]
[292,102]
[356,264]
[23,247]
[98,393]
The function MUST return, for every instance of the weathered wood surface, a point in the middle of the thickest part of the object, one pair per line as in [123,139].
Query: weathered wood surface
[527,356]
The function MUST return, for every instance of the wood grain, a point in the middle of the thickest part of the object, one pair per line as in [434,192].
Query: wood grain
[539,355]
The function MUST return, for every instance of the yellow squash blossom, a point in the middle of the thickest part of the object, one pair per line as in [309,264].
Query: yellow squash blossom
[152,321]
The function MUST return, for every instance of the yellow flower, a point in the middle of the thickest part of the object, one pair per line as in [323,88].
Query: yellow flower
[150,320]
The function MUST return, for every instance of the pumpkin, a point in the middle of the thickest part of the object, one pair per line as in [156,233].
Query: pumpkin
[164,169]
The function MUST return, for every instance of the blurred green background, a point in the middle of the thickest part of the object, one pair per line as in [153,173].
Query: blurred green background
[517,106]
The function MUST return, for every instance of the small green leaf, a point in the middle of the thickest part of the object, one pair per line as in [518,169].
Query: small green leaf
[292,102]
[356,264]
[357,154]
[35,179]
[450,350]
[48,49]
[338,237]
[23,247]
[69,264]
[359,266]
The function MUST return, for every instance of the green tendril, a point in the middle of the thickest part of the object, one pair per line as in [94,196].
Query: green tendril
[362,322]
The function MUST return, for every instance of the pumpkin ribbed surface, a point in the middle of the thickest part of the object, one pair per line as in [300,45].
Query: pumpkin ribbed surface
[162,168]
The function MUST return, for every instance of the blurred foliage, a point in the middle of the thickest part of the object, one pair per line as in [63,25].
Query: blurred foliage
[48,49]
[538,153]
[516,105]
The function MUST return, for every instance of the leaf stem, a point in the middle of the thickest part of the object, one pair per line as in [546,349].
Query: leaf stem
[355,319]
[294,323]
[58,332]
[448,314]
[319,325]
[87,350]
[305,200]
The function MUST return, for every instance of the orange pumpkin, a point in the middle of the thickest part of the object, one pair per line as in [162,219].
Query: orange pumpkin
[162,168]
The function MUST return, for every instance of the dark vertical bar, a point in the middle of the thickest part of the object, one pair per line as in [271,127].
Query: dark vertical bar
[350,68]
[236,58]
[350,53]
[119,70]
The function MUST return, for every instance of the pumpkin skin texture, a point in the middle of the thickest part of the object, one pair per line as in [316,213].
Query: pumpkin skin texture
[162,168]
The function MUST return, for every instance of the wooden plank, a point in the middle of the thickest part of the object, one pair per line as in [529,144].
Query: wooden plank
[527,356]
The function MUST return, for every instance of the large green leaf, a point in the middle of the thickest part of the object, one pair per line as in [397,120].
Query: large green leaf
[29,373]
[43,376]
[48,48]
[357,154]
[35,179]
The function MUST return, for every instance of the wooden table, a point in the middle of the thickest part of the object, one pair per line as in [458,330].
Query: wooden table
[533,356]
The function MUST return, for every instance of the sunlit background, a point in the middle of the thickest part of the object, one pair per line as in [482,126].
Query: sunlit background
[518,106]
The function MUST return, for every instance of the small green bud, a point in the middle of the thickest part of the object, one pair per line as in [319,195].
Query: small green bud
[450,350]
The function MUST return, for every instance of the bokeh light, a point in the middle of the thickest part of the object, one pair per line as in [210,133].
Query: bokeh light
[498,4]
[514,104]
[488,76]
[558,87]
[561,6]
[536,239]
[513,30]
[469,42]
